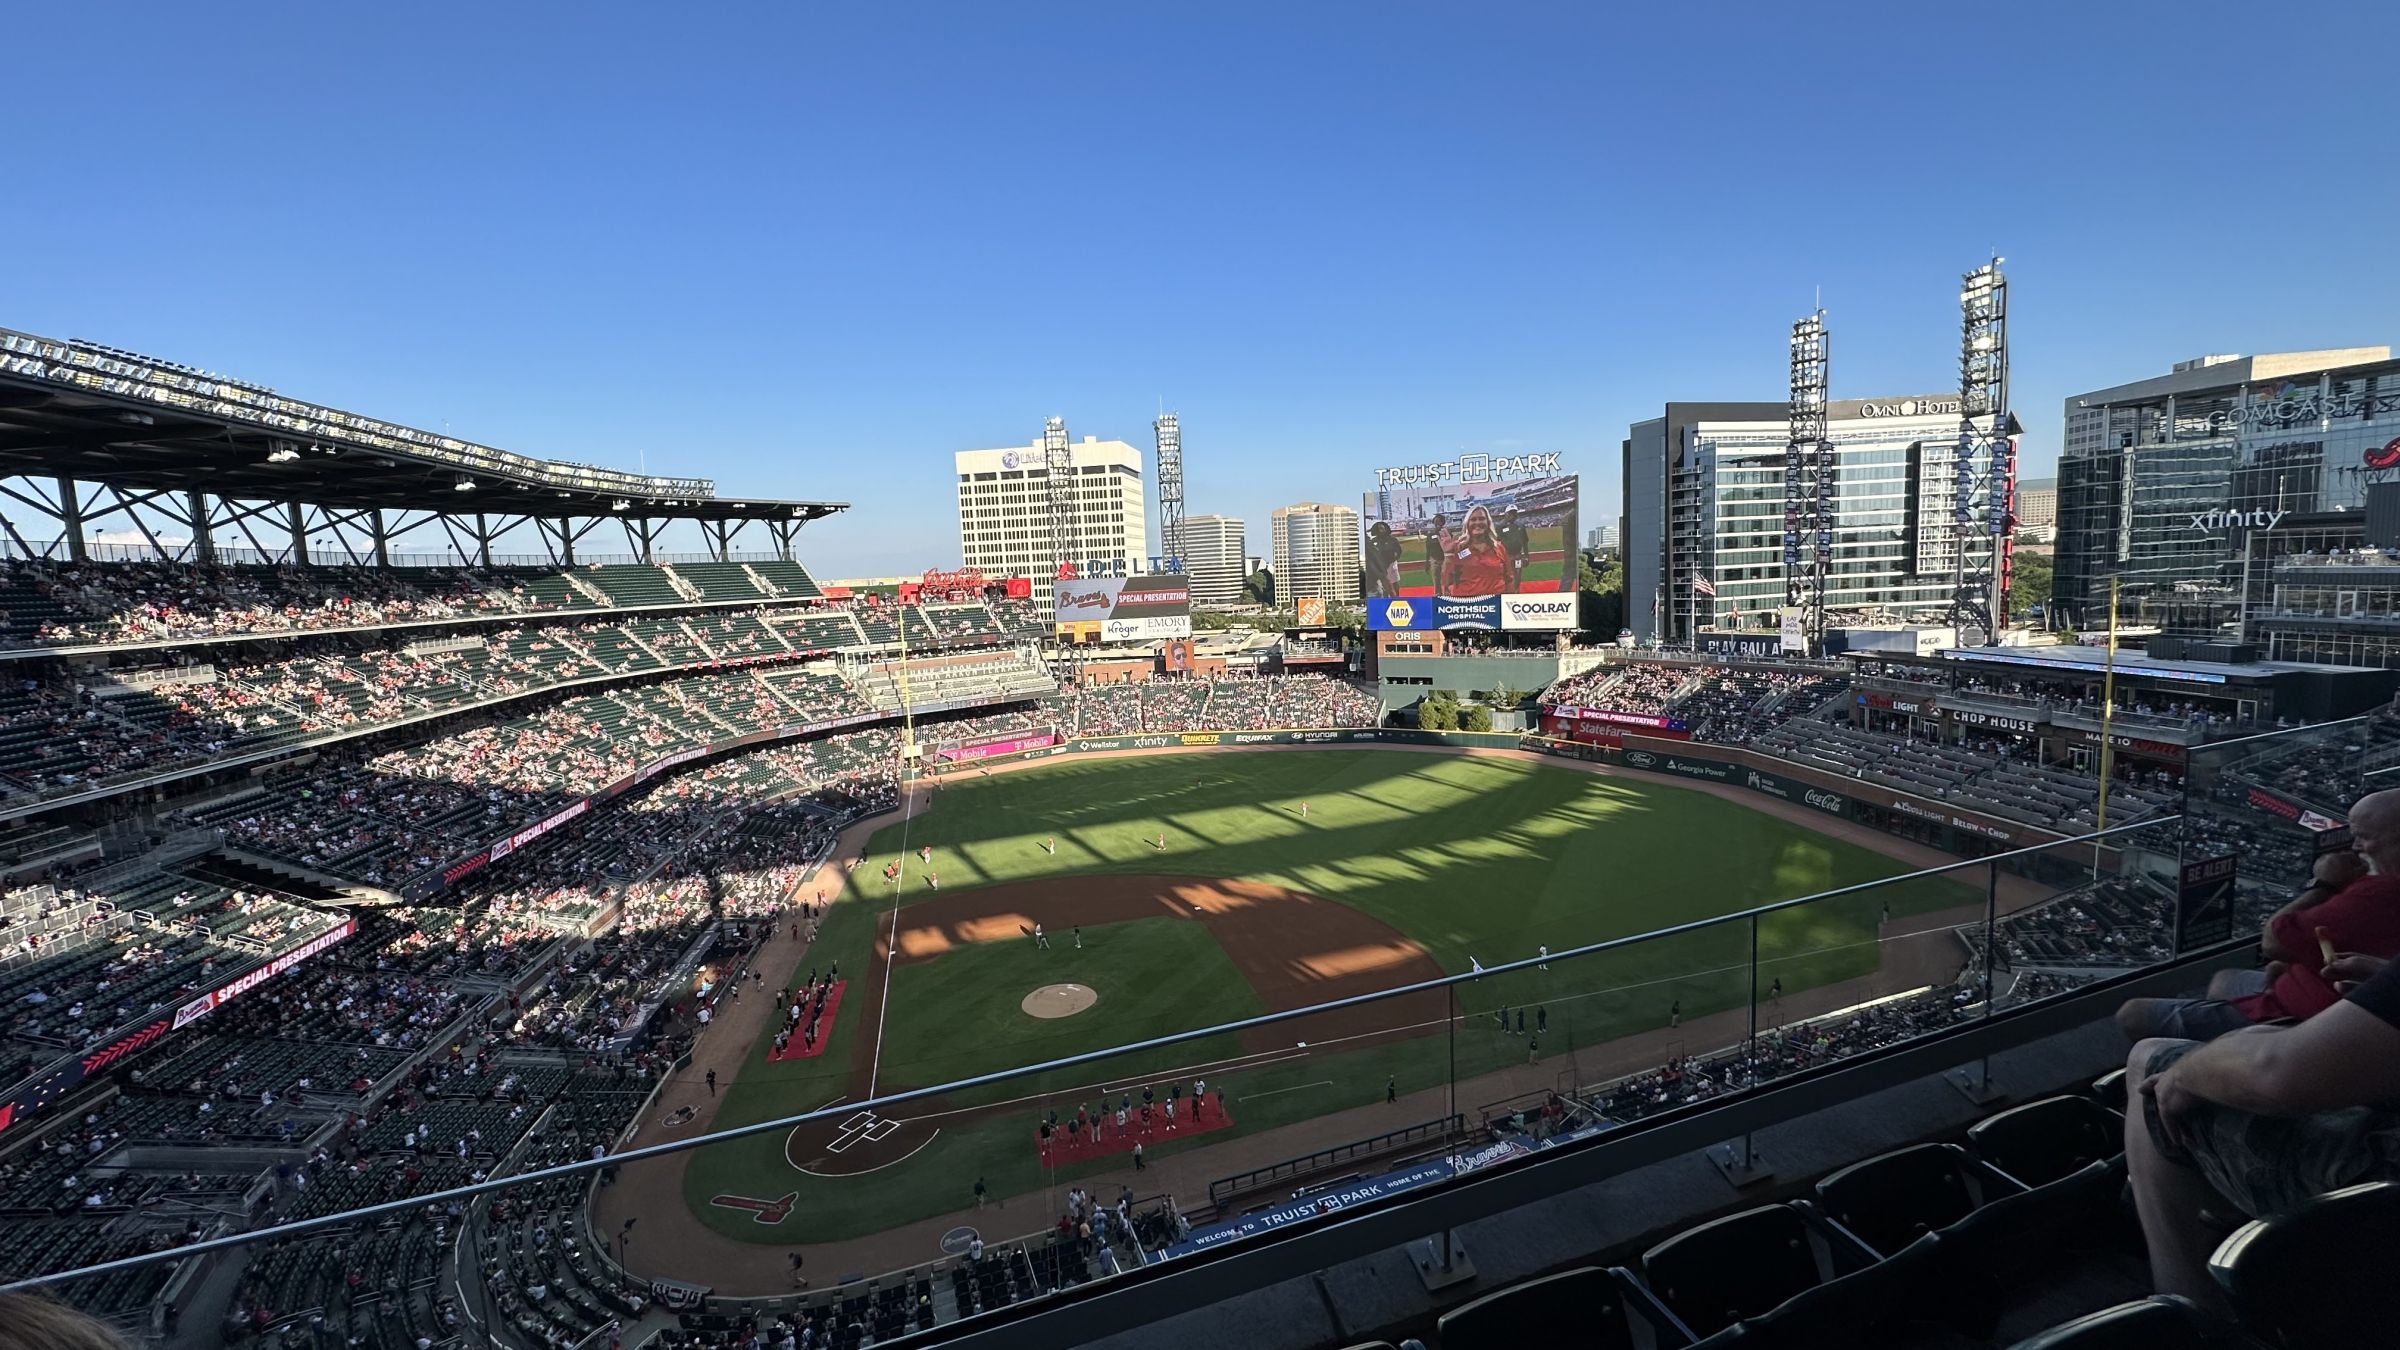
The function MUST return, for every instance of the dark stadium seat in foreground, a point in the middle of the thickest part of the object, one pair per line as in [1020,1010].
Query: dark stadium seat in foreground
[1587,1307]
[1744,1265]
[2287,1280]
[2161,1322]
[2043,1141]
[1890,1201]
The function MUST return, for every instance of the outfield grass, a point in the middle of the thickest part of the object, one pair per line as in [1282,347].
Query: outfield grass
[964,1017]
[1472,858]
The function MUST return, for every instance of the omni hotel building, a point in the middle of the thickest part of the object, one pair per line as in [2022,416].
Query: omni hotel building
[1704,504]
[2198,489]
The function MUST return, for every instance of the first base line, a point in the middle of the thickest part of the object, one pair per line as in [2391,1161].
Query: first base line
[1251,1096]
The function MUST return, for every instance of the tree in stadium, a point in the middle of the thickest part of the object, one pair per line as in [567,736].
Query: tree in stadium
[2029,582]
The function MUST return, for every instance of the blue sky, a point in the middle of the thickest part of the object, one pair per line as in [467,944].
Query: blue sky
[811,250]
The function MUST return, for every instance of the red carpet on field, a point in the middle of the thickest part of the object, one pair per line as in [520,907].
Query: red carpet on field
[1084,1144]
[793,1049]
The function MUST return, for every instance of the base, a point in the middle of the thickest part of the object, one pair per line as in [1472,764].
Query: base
[1427,1254]
[1977,1085]
[1741,1166]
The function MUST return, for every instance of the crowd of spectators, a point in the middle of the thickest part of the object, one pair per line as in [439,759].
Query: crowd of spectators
[1256,703]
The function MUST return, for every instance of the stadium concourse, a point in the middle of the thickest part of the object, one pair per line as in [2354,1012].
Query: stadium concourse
[515,837]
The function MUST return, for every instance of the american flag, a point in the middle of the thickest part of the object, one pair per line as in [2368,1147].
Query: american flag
[1704,585]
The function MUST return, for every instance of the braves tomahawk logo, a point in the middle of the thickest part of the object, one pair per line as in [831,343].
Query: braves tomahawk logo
[761,1211]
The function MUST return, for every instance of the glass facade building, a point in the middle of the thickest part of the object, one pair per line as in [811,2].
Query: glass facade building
[2171,486]
[1704,508]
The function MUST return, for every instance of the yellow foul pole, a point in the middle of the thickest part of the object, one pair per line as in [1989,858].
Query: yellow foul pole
[2108,712]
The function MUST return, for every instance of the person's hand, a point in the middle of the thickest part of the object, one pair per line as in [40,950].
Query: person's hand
[2349,970]
[2174,1102]
[2274,971]
[2337,870]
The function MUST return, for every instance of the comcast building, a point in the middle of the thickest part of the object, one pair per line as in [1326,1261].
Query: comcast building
[2183,487]
[1704,510]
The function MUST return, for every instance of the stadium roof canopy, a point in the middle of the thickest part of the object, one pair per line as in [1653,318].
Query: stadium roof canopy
[76,410]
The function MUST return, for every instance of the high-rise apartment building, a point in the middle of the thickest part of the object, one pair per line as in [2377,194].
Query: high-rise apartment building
[1704,525]
[1316,548]
[1004,512]
[1215,547]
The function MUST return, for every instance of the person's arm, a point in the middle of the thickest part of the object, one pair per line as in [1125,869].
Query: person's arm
[2333,872]
[2343,1056]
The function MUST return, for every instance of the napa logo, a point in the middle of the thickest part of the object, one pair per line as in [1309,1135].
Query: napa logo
[1399,613]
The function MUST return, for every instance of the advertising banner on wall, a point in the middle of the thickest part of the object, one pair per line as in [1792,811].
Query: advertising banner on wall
[2204,902]
[1124,609]
[1433,544]
[1309,612]
[1433,611]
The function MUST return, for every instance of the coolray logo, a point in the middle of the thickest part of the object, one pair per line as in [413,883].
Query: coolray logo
[1824,801]
[2221,519]
[1153,742]
[1910,407]
[1537,611]
[1399,613]
[1641,759]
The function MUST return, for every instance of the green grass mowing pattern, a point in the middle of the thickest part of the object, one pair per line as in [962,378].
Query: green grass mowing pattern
[964,1014]
[1482,858]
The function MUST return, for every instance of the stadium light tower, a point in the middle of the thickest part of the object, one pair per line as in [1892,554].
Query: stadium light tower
[1058,466]
[1982,512]
[1808,481]
[1170,488]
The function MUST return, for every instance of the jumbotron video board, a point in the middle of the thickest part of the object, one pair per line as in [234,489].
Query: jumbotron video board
[1470,550]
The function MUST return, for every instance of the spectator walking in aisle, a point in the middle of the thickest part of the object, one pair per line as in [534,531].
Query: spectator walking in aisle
[1391,1089]
[712,1082]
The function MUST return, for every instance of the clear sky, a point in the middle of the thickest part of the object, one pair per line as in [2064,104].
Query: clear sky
[810,250]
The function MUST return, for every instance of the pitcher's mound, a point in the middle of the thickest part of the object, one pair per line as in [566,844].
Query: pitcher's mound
[1059,1000]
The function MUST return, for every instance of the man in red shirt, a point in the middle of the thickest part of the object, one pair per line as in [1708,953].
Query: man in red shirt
[2353,900]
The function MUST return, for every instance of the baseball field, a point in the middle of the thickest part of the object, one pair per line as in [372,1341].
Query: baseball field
[1185,890]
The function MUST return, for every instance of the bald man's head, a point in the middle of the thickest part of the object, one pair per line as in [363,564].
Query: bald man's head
[2375,830]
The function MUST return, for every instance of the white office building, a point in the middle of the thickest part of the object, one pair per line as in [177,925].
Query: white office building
[1704,507]
[1316,548]
[1214,549]
[1004,512]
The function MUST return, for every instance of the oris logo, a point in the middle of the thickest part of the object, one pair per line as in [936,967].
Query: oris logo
[1641,759]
